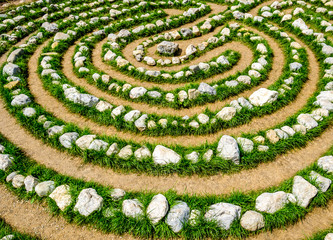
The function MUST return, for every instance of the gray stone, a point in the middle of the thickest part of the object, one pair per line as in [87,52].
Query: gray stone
[177,216]
[113,149]
[326,163]
[295,66]
[85,141]
[224,214]
[118,111]
[140,123]
[205,88]
[246,144]
[271,202]
[14,55]
[307,121]
[98,145]
[43,189]
[20,100]
[30,182]
[137,92]
[157,208]
[323,183]
[263,96]
[163,155]
[55,130]
[18,181]
[10,177]
[68,138]
[252,221]
[88,201]
[60,37]
[50,27]
[132,115]
[191,49]
[117,194]
[226,114]
[29,112]
[132,208]
[142,153]
[303,191]
[62,197]
[167,47]
[227,149]
[5,161]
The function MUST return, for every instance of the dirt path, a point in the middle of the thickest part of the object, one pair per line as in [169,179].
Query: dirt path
[36,220]
[284,167]
[58,109]
[39,222]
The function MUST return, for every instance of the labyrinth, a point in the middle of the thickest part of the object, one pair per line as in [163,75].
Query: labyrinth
[175,119]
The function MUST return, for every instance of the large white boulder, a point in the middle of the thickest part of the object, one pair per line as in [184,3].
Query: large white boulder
[88,201]
[263,96]
[163,155]
[227,149]
[271,202]
[177,216]
[157,208]
[303,191]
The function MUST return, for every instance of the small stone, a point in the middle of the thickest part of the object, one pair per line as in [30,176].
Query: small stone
[226,114]
[303,191]
[117,194]
[98,145]
[272,136]
[142,153]
[227,149]
[163,155]
[326,163]
[193,157]
[113,149]
[263,96]
[252,221]
[203,118]
[30,182]
[5,161]
[224,214]
[132,208]
[85,141]
[29,112]
[323,183]
[55,130]
[10,177]
[208,155]
[307,121]
[205,88]
[62,197]
[43,189]
[157,208]
[20,100]
[102,106]
[88,201]
[271,202]
[132,115]
[18,181]
[67,139]
[177,216]
[246,144]
[126,152]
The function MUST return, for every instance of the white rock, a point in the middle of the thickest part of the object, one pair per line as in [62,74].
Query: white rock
[29,112]
[205,88]
[246,144]
[30,182]
[271,202]
[323,183]
[88,201]
[117,194]
[326,163]
[227,149]
[142,153]
[85,141]
[98,145]
[5,161]
[132,208]
[157,208]
[11,69]
[103,106]
[61,196]
[20,100]
[43,189]
[113,149]
[177,216]
[163,155]
[18,181]
[307,121]
[224,214]
[263,96]
[193,157]
[252,221]
[67,139]
[299,23]
[126,152]
[132,115]
[226,114]
[303,191]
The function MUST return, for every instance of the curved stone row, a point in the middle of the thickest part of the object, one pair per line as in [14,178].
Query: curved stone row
[305,189]
[235,161]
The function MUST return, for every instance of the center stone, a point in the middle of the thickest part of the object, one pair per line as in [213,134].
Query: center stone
[167,48]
